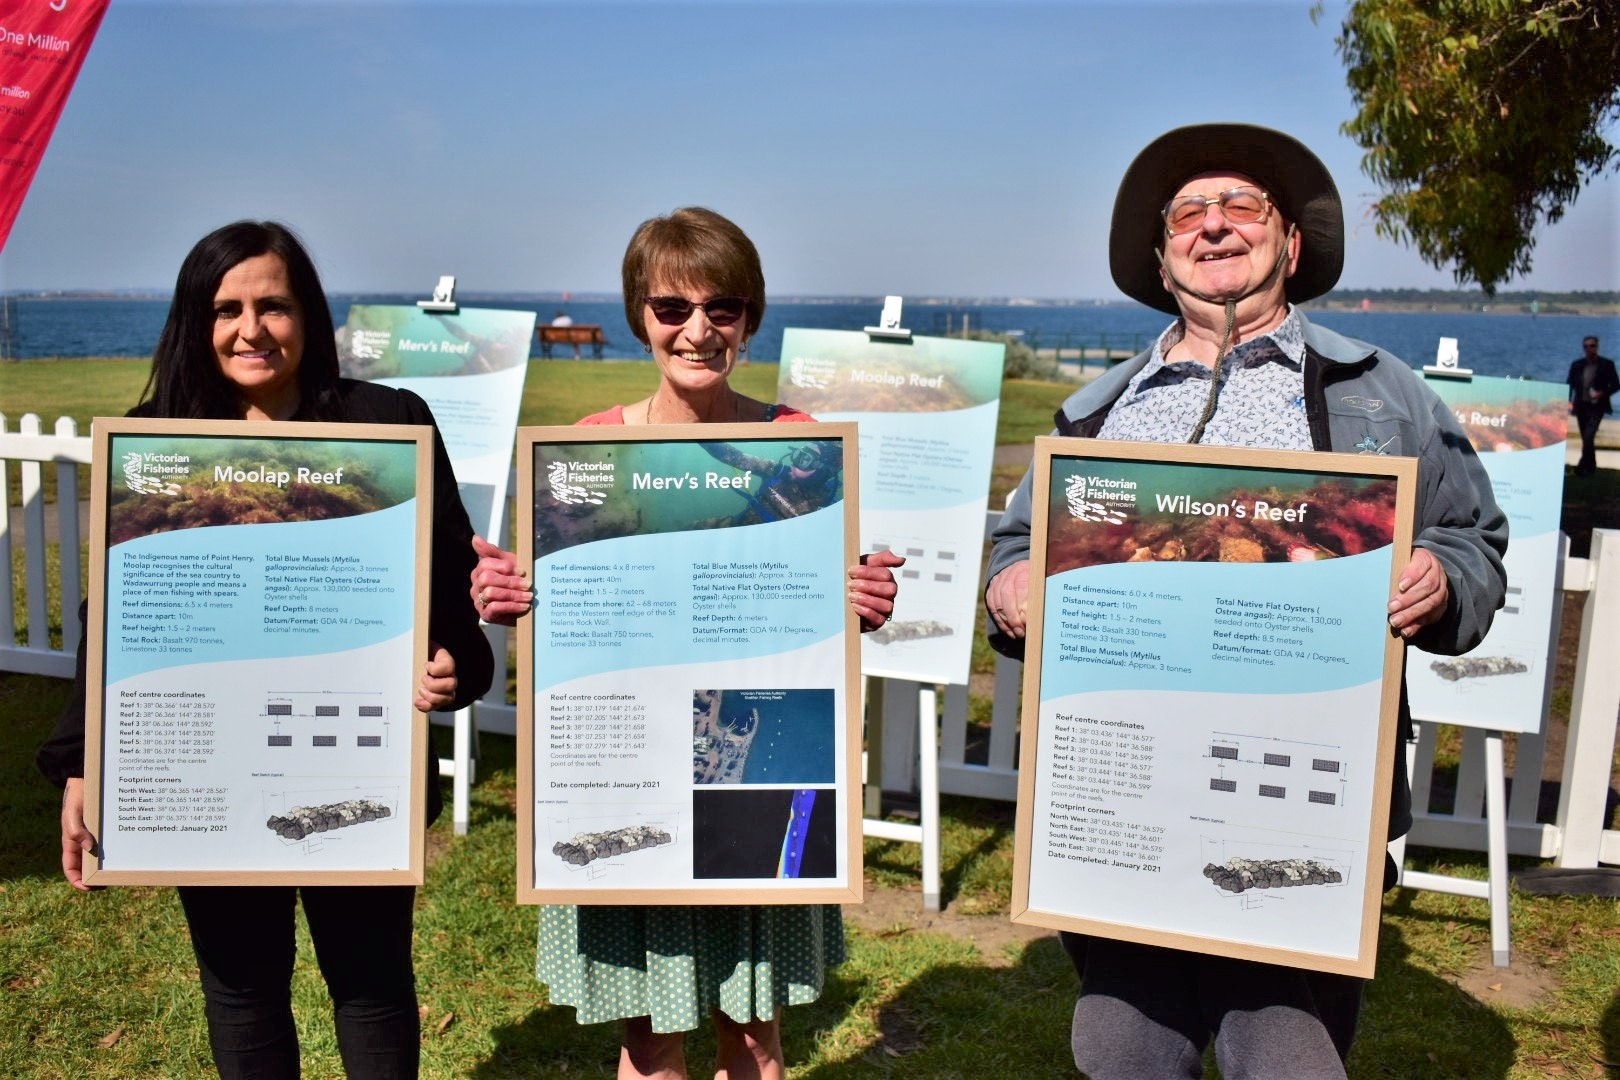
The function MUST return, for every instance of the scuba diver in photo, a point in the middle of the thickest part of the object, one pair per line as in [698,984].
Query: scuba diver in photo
[806,478]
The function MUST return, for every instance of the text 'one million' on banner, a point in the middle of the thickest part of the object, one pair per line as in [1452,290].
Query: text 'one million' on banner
[42,47]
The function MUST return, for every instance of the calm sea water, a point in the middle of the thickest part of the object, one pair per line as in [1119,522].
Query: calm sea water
[1507,345]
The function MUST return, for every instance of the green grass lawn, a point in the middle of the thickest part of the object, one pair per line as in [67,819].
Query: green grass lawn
[555,392]
[76,970]
[115,967]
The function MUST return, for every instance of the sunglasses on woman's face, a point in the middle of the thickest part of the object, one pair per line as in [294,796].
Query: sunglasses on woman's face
[675,310]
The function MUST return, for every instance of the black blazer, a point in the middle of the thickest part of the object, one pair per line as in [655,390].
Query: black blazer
[1608,382]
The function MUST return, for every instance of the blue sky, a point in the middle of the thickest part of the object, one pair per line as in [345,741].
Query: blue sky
[916,148]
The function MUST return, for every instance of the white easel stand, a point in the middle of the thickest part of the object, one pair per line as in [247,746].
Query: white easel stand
[462,765]
[1495,886]
[907,712]
[912,709]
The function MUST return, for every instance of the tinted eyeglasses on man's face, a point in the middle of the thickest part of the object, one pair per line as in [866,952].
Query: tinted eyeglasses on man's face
[675,310]
[1239,205]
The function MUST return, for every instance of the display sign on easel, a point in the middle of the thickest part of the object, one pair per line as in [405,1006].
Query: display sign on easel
[927,409]
[1210,699]
[688,688]
[1518,428]
[468,364]
[258,614]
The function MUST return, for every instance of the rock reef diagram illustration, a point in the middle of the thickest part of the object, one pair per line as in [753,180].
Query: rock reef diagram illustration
[1238,875]
[1476,667]
[302,821]
[584,848]
[913,630]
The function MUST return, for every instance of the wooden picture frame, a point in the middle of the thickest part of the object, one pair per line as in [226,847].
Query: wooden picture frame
[219,552]
[1211,693]
[691,605]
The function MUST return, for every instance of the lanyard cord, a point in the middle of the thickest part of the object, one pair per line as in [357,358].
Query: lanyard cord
[1215,376]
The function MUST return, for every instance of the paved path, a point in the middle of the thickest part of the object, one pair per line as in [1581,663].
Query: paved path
[52,532]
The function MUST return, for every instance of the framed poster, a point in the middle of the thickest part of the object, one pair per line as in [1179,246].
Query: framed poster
[1210,698]
[927,412]
[469,367]
[688,695]
[258,617]
[1518,427]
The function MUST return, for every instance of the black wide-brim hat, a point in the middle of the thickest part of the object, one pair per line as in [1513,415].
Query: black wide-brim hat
[1299,184]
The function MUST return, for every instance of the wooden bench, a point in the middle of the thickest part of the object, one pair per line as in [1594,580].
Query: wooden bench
[576,335]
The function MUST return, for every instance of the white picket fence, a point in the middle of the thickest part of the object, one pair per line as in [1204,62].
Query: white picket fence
[30,451]
[1578,837]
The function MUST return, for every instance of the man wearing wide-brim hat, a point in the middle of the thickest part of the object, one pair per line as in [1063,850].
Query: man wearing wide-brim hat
[1228,226]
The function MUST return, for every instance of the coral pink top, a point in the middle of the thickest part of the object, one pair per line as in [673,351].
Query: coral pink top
[776,414]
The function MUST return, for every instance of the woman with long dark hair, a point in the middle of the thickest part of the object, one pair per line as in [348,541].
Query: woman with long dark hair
[249,337]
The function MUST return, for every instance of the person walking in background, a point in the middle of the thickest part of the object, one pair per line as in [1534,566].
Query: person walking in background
[1228,227]
[1592,382]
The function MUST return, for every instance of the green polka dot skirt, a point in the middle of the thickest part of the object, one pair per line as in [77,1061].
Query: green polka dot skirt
[675,964]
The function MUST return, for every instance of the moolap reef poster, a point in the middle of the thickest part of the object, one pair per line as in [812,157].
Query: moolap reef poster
[927,411]
[689,736]
[255,625]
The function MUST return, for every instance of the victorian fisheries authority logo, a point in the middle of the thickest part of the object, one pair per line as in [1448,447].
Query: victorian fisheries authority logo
[368,344]
[811,373]
[148,474]
[1100,498]
[579,483]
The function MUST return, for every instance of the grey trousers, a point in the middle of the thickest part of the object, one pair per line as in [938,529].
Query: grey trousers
[1146,1012]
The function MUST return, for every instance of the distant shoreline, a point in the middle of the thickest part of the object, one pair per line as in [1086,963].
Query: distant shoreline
[1595,311]
[1346,301]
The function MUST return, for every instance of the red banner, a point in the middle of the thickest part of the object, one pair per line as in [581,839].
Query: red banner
[42,47]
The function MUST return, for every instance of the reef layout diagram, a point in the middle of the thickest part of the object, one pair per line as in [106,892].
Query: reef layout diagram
[326,719]
[1253,767]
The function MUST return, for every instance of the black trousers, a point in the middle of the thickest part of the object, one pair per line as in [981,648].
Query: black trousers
[1587,419]
[243,937]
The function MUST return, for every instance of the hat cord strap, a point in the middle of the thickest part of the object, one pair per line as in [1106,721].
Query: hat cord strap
[1215,375]
[1226,334]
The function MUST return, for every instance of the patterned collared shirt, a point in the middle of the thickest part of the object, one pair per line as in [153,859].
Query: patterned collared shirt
[1261,401]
